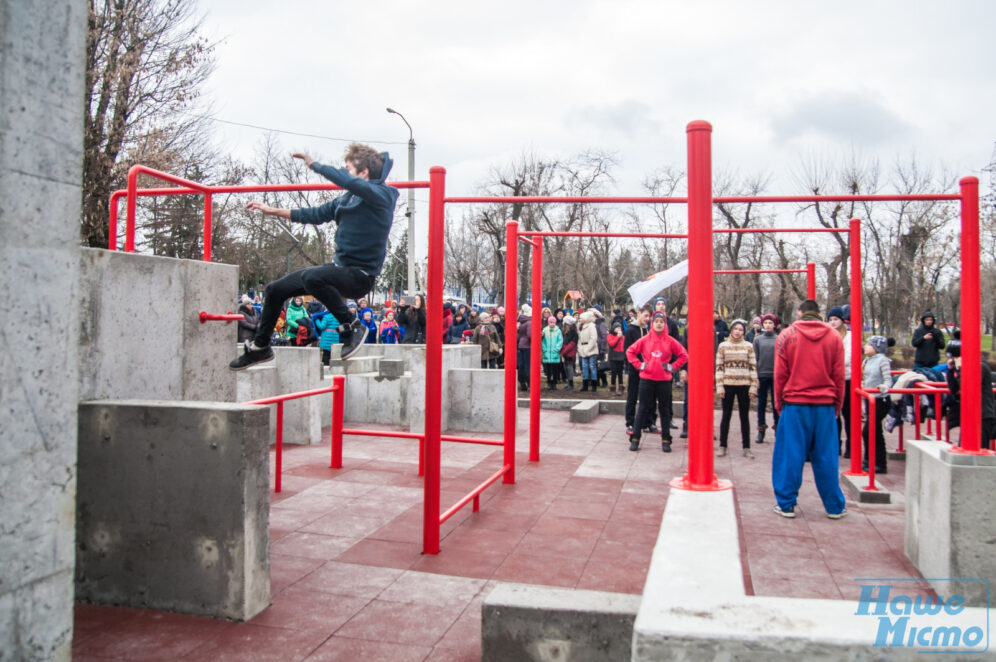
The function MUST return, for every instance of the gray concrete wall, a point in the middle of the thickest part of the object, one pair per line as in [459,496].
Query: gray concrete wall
[140,336]
[950,530]
[293,369]
[41,142]
[522,622]
[173,507]
[476,399]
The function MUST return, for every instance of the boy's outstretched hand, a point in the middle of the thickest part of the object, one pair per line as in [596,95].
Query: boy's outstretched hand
[304,157]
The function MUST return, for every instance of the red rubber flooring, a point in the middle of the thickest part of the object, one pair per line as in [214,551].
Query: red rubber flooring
[349,581]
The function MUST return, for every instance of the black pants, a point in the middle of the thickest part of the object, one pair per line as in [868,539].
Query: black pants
[632,394]
[881,410]
[766,389]
[651,391]
[522,367]
[742,395]
[488,363]
[328,283]
[616,366]
[552,372]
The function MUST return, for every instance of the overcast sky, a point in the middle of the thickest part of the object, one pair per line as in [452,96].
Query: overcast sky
[482,82]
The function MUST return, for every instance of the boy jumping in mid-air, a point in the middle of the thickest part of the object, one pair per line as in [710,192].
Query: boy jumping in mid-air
[364,215]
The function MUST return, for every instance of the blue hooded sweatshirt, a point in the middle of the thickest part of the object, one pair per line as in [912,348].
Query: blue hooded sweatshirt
[364,215]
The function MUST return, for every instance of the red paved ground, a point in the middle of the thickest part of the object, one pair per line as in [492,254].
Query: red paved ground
[349,581]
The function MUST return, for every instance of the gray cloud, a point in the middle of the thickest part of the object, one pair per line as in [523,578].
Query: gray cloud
[851,116]
[628,116]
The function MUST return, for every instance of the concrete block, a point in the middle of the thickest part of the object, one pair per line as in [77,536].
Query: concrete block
[857,487]
[173,507]
[299,369]
[391,368]
[356,398]
[557,404]
[184,359]
[584,411]
[521,622]
[949,537]
[616,407]
[897,455]
[353,365]
[459,397]
[475,402]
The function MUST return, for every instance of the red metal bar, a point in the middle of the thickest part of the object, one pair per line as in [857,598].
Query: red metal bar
[902,448]
[569,199]
[938,415]
[280,447]
[273,399]
[760,199]
[916,416]
[227,317]
[133,174]
[208,218]
[511,306]
[535,352]
[870,396]
[623,235]
[472,496]
[338,410]
[527,240]
[421,455]
[701,475]
[971,339]
[857,324]
[419,435]
[434,359]
[759,271]
[811,280]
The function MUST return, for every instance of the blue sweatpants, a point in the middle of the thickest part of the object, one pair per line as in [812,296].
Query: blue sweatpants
[806,431]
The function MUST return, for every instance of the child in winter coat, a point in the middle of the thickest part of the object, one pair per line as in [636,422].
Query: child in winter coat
[617,357]
[390,332]
[877,375]
[661,356]
[366,318]
[569,352]
[736,378]
[588,351]
[328,327]
[552,342]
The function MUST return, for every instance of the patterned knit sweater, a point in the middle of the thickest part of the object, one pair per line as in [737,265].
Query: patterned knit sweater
[736,365]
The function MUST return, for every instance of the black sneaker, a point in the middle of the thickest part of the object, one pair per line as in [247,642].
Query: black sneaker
[684,431]
[251,356]
[653,429]
[354,334]
[634,444]
[666,446]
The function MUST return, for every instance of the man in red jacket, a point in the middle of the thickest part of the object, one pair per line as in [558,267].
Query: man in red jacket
[809,392]
[662,356]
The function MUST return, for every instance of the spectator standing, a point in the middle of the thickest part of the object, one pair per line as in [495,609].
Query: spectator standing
[486,335]
[764,354]
[249,321]
[755,330]
[876,374]
[455,335]
[523,341]
[736,378]
[412,320]
[390,332]
[657,356]
[569,352]
[953,405]
[720,329]
[839,319]
[809,392]
[588,351]
[327,326]
[552,342]
[636,331]
[603,344]
[366,318]
[929,341]
[617,357]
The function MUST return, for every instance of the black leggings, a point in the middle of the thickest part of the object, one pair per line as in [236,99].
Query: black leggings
[650,391]
[616,366]
[328,283]
[742,394]
[882,406]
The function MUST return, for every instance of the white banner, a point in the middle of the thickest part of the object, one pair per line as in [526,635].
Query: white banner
[645,290]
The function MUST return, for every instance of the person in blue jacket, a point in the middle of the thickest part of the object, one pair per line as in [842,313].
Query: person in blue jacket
[327,327]
[367,319]
[364,214]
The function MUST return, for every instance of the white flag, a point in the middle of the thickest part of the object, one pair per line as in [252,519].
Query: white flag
[645,290]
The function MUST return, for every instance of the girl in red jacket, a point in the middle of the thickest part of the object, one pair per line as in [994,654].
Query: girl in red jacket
[657,356]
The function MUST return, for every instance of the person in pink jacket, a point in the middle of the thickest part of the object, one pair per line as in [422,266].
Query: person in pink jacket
[657,356]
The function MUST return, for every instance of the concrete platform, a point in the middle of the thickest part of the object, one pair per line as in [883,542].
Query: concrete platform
[349,580]
[857,487]
[584,411]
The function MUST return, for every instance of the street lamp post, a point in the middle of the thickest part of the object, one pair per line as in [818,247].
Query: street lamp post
[411,202]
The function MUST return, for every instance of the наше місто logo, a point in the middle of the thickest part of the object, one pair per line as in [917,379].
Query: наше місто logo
[929,624]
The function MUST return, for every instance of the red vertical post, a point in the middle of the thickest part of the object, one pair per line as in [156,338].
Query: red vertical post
[939,414]
[871,444]
[338,408]
[434,360]
[535,350]
[857,325]
[112,230]
[279,465]
[510,340]
[208,214]
[130,218]
[811,280]
[701,475]
[971,340]
[902,448]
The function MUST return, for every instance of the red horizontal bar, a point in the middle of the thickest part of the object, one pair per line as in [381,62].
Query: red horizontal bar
[910,391]
[260,188]
[568,199]
[228,317]
[759,271]
[419,435]
[647,235]
[292,396]
[470,496]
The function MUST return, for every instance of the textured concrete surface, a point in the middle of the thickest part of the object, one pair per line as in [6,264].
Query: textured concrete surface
[293,369]
[139,315]
[41,142]
[454,356]
[476,400]
[857,487]
[172,507]
[584,411]
[522,622]
[391,367]
[950,533]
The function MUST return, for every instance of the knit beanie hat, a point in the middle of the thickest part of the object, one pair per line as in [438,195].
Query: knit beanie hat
[660,315]
[742,323]
[954,348]
[551,318]
[527,310]
[769,316]
[836,311]
[570,320]
[756,320]
[879,343]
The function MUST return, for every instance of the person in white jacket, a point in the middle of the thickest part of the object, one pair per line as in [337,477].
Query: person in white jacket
[588,350]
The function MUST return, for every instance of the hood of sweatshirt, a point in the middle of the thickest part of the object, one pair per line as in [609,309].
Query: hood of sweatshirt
[813,330]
